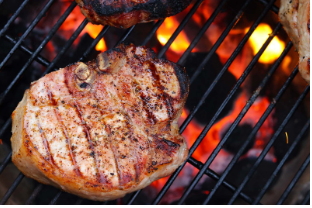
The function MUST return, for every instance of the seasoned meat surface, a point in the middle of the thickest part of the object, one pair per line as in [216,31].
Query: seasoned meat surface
[295,17]
[125,13]
[104,128]
[304,38]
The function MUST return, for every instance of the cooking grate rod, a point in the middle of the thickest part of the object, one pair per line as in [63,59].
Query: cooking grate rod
[56,198]
[306,199]
[237,120]
[294,181]
[152,32]
[282,162]
[34,194]
[93,44]
[179,29]
[5,162]
[273,8]
[269,145]
[12,188]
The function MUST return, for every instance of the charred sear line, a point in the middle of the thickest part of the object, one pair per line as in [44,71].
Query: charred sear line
[67,139]
[46,145]
[165,97]
[168,147]
[137,164]
[100,177]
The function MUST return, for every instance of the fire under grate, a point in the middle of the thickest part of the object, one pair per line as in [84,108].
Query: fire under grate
[17,44]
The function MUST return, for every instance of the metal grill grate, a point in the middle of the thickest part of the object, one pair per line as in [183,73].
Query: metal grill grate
[203,168]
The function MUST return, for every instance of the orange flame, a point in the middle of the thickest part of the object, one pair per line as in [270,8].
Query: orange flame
[73,21]
[258,38]
[93,31]
[213,136]
[181,43]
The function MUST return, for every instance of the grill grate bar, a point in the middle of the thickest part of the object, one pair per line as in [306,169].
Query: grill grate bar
[38,50]
[66,46]
[199,165]
[306,199]
[4,127]
[56,198]
[29,29]
[93,44]
[208,126]
[294,180]
[11,189]
[126,34]
[152,32]
[237,120]
[134,195]
[280,165]
[179,29]
[201,32]
[79,201]
[218,43]
[5,162]
[34,194]
[225,68]
[13,17]
[269,145]
[273,8]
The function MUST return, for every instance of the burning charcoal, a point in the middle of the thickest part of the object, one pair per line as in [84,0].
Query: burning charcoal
[201,84]
[237,139]
[257,181]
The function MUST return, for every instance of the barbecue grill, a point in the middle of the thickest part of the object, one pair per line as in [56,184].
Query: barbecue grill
[17,44]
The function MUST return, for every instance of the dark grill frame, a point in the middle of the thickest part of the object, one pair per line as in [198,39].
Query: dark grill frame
[203,168]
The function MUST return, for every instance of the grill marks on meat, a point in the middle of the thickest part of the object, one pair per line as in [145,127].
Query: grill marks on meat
[295,17]
[113,137]
[125,13]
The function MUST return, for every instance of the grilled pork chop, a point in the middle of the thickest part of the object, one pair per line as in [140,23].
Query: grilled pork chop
[295,17]
[125,13]
[105,128]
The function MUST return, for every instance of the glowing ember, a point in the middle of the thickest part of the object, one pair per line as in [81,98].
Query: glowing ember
[257,39]
[181,43]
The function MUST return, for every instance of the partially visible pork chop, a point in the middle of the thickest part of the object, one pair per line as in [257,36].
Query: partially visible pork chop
[295,17]
[125,13]
[105,128]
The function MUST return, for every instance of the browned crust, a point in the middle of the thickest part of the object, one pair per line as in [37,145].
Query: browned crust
[125,13]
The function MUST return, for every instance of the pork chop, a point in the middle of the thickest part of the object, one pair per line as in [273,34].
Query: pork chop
[104,128]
